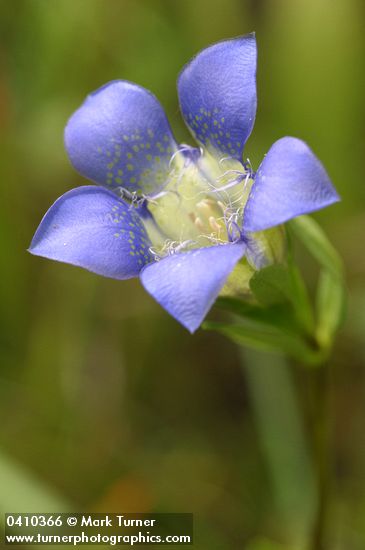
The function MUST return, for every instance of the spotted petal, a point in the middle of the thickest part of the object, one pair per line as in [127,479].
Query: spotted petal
[91,228]
[217,92]
[290,181]
[120,137]
[187,284]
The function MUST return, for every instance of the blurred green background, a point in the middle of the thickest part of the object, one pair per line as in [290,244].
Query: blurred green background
[106,403]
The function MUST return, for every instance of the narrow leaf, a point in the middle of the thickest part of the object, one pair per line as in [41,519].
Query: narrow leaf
[278,284]
[265,337]
[317,243]
[301,301]
[330,307]
[271,285]
[278,315]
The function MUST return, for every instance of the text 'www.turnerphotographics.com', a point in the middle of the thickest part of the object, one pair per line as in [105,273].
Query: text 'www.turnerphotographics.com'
[113,529]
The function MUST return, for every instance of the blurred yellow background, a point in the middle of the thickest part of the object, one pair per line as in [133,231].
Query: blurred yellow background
[106,403]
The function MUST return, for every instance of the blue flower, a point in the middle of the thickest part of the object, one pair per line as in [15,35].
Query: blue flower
[179,217]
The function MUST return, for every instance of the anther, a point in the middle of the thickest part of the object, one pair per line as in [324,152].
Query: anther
[221,206]
[204,207]
[199,224]
[214,225]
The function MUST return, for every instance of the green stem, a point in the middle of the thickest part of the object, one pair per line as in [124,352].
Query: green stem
[282,439]
[320,421]
[300,479]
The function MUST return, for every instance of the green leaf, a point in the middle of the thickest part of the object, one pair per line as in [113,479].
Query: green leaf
[300,300]
[272,285]
[331,297]
[278,315]
[264,544]
[279,284]
[22,491]
[330,304]
[282,318]
[265,337]
[317,243]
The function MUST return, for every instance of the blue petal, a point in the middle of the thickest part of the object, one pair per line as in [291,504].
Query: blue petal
[187,284]
[120,137]
[217,92]
[91,228]
[290,181]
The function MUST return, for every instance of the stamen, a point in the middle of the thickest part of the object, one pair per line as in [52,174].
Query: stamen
[199,224]
[214,225]
[221,206]
[212,216]
[204,207]
[211,202]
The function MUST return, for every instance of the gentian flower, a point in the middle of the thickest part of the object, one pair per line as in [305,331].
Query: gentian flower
[180,217]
